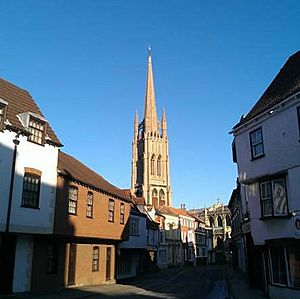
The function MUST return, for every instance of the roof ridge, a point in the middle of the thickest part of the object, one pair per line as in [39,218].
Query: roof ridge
[97,174]
[15,86]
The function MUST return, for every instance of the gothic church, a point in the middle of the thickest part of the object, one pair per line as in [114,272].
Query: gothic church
[150,177]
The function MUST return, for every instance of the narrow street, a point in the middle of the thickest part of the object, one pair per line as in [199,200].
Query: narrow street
[188,282]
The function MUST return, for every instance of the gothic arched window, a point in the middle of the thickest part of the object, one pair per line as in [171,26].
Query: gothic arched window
[159,165]
[219,221]
[154,193]
[152,164]
[161,194]
[211,221]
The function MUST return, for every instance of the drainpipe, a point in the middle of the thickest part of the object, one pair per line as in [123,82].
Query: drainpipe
[12,179]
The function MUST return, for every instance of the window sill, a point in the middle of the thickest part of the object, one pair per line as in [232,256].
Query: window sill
[275,217]
[283,286]
[72,214]
[258,157]
[28,207]
[40,144]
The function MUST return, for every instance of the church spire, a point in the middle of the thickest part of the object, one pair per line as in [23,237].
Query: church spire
[150,116]
[164,124]
[136,125]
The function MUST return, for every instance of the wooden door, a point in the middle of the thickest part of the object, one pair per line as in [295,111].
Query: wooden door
[72,264]
[108,263]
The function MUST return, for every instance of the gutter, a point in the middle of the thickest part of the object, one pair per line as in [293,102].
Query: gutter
[12,179]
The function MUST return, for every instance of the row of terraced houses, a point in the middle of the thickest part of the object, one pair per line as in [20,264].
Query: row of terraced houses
[62,224]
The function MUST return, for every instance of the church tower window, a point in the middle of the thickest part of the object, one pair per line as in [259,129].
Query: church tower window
[150,158]
[159,165]
[153,164]
[154,193]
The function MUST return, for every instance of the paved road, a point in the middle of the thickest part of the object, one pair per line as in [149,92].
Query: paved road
[205,282]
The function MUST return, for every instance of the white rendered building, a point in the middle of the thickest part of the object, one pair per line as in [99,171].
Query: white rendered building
[28,171]
[267,152]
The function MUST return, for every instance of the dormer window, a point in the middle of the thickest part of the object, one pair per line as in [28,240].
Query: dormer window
[37,130]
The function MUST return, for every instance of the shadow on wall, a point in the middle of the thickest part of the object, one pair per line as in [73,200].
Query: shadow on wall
[30,256]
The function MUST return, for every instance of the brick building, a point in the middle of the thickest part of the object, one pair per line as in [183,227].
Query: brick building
[90,220]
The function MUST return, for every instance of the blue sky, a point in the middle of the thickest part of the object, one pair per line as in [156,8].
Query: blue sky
[85,62]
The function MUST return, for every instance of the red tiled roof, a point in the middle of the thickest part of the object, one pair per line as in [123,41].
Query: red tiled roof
[172,211]
[126,192]
[20,101]
[75,170]
[195,216]
[285,84]
[139,200]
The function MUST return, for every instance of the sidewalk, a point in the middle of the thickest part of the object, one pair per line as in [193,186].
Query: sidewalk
[239,287]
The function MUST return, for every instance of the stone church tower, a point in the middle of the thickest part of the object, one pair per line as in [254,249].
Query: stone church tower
[150,176]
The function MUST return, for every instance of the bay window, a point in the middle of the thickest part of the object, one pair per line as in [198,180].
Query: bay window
[273,197]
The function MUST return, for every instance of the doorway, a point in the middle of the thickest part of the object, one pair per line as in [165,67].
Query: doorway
[72,264]
[108,263]
[7,262]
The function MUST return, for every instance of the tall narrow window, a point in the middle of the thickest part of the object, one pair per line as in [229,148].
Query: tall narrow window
[37,130]
[73,198]
[122,213]
[159,165]
[52,261]
[89,205]
[161,197]
[152,165]
[95,263]
[111,210]
[31,191]
[256,141]
[279,274]
[154,193]
[134,227]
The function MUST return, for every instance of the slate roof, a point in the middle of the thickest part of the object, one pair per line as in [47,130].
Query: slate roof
[285,84]
[77,171]
[20,101]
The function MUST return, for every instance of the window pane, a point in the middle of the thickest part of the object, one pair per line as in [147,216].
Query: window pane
[279,197]
[294,266]
[72,200]
[36,128]
[258,149]
[31,191]
[267,207]
[256,143]
[278,266]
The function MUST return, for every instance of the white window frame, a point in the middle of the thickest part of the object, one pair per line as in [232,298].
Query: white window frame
[256,141]
[277,202]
